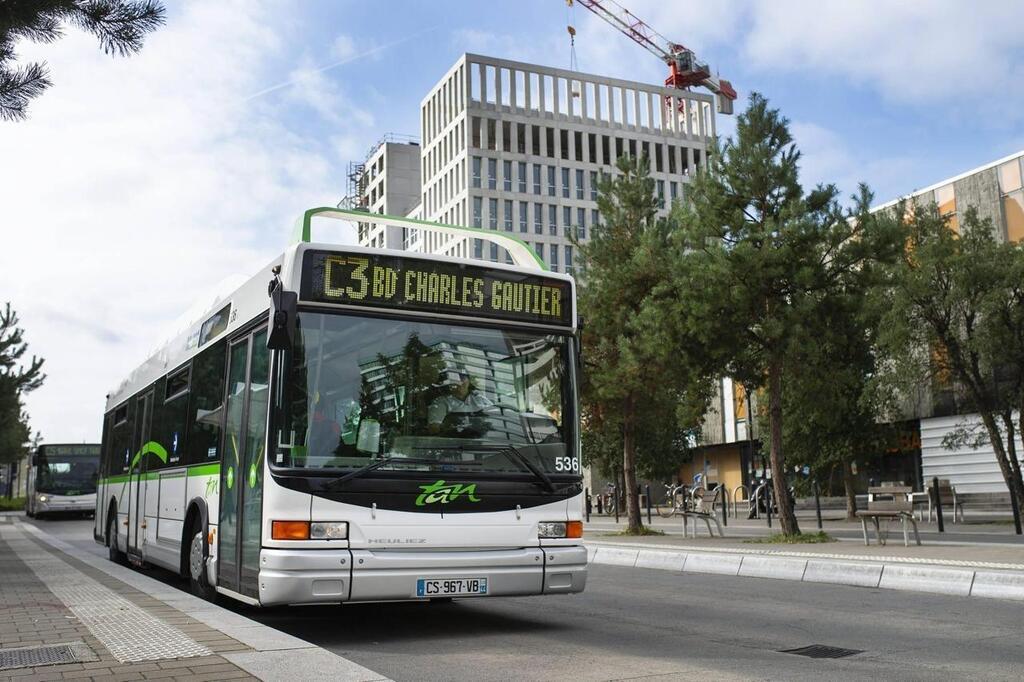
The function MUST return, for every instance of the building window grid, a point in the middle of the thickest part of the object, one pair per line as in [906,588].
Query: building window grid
[506,168]
[492,214]
[508,215]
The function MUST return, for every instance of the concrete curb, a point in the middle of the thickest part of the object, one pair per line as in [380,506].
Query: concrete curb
[276,655]
[964,582]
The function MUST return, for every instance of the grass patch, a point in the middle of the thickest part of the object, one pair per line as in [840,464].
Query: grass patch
[801,539]
[12,503]
[644,530]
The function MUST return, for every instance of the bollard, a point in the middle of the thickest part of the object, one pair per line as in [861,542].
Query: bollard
[615,493]
[817,503]
[768,504]
[590,503]
[725,504]
[938,504]
[647,489]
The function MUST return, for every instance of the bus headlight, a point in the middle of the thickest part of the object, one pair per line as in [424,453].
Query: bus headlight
[43,498]
[560,529]
[328,530]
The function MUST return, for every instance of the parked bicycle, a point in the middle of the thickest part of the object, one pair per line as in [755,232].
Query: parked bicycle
[676,500]
[611,499]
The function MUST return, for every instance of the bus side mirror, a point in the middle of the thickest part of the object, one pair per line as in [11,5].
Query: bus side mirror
[283,311]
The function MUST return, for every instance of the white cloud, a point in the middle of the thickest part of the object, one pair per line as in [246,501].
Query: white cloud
[138,184]
[828,158]
[908,51]
[343,48]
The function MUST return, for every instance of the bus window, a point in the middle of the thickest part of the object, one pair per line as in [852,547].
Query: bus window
[206,397]
[170,416]
[121,441]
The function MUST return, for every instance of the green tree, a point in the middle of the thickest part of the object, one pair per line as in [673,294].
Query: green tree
[766,256]
[830,413]
[953,315]
[18,376]
[120,26]
[636,364]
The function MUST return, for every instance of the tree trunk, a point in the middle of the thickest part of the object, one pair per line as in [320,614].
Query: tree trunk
[787,519]
[634,524]
[1011,474]
[851,495]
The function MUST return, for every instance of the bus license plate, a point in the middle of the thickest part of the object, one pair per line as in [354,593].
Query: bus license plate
[445,587]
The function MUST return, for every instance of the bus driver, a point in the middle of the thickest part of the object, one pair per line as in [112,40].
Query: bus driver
[457,413]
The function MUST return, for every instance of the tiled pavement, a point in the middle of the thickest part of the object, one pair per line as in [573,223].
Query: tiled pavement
[32,614]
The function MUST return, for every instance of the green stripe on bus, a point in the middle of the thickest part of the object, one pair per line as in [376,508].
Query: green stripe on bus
[150,447]
[192,471]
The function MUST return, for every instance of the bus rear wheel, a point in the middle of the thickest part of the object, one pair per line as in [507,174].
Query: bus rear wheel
[197,577]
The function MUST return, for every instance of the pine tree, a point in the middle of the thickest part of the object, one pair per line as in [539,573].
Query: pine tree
[636,365]
[768,257]
[120,26]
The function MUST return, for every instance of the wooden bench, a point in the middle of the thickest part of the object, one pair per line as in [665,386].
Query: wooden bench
[891,502]
[703,510]
[949,498]
[981,502]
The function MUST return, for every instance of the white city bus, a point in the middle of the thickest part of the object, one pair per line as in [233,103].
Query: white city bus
[62,479]
[358,425]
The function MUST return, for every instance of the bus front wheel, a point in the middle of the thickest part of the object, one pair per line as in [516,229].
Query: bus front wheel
[197,577]
[114,553]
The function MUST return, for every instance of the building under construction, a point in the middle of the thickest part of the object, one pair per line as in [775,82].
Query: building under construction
[518,147]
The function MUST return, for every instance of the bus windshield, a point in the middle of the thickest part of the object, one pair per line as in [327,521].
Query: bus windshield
[412,395]
[66,475]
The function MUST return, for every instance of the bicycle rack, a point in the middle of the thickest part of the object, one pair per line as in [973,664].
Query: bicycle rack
[735,503]
[757,499]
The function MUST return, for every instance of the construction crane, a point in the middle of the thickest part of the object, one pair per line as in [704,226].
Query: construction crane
[685,69]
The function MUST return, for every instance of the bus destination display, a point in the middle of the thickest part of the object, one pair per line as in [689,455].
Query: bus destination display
[429,286]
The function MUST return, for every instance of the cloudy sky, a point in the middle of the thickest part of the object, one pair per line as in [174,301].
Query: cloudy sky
[139,184]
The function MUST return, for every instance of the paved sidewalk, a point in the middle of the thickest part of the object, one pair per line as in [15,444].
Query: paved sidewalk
[116,623]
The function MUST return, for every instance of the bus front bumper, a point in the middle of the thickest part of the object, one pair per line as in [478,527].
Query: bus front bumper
[363,575]
[58,504]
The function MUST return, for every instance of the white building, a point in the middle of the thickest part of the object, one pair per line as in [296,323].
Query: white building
[387,183]
[518,147]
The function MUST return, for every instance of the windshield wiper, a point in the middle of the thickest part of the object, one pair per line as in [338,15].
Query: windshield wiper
[376,464]
[518,456]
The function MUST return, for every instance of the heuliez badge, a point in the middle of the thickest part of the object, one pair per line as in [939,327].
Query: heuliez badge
[429,286]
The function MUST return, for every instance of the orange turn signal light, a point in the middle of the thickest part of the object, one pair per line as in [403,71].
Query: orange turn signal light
[290,530]
[574,529]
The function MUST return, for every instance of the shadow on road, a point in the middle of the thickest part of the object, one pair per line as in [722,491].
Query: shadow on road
[369,623]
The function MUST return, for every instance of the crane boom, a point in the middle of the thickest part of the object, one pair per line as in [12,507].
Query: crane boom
[685,69]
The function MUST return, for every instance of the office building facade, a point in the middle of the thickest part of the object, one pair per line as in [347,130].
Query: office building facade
[519,148]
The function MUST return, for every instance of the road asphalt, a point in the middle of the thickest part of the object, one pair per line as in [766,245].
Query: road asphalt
[636,623]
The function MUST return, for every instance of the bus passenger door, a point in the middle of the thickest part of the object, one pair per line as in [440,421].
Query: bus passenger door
[137,474]
[241,482]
